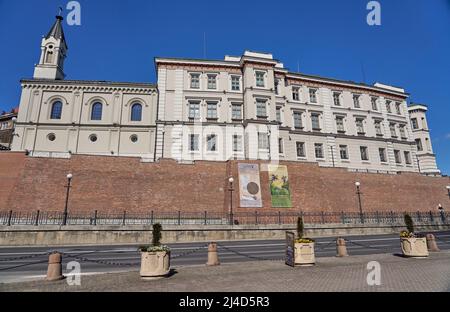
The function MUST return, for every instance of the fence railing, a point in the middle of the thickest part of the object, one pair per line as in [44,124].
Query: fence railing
[94,218]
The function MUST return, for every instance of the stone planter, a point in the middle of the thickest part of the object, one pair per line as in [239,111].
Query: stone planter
[414,246]
[304,254]
[155,265]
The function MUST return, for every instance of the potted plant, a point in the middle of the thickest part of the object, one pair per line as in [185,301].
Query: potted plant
[304,247]
[413,245]
[155,258]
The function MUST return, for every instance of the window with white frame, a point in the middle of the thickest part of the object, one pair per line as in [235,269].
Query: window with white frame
[263,141]
[278,114]
[276,83]
[393,130]
[236,111]
[318,150]
[194,110]
[313,95]
[419,145]
[296,93]
[402,131]
[378,130]
[300,149]
[388,107]
[398,157]
[382,153]
[261,111]
[340,124]
[237,143]
[356,100]
[414,123]
[195,81]
[212,81]
[343,151]
[407,157]
[235,83]
[298,124]
[360,125]
[315,121]
[212,110]
[374,103]
[211,142]
[193,142]
[337,98]
[280,146]
[398,108]
[260,79]
[364,153]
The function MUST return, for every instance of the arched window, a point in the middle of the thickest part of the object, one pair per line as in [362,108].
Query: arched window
[136,112]
[96,113]
[56,110]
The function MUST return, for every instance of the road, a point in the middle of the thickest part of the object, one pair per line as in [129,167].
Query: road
[30,263]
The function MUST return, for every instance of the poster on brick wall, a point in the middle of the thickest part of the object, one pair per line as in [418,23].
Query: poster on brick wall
[249,186]
[279,186]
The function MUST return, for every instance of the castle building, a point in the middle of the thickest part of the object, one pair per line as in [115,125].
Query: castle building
[242,107]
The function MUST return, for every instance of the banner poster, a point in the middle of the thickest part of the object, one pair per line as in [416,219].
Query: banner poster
[249,185]
[279,186]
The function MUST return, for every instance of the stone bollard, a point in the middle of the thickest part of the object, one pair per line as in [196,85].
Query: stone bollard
[213,258]
[431,243]
[341,248]
[54,271]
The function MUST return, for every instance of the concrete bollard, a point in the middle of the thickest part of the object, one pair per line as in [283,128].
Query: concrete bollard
[431,243]
[213,258]
[54,271]
[341,248]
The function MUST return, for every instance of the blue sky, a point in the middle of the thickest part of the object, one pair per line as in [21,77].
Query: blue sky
[117,40]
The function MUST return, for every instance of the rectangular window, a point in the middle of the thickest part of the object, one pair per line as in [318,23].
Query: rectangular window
[315,121]
[296,93]
[313,95]
[378,130]
[195,81]
[261,109]
[374,103]
[364,153]
[388,107]
[237,143]
[194,110]
[212,111]
[235,83]
[211,141]
[398,108]
[278,113]
[260,79]
[263,141]
[318,149]
[407,158]
[398,157]
[393,130]
[356,103]
[300,149]
[277,81]
[414,124]
[280,145]
[382,153]
[340,124]
[236,112]
[212,82]
[343,151]
[402,131]
[419,145]
[337,98]
[298,124]
[360,126]
[193,142]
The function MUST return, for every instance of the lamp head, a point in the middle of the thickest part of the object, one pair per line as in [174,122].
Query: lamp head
[69,176]
[358,184]
[231,180]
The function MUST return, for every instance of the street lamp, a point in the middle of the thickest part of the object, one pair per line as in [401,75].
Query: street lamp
[448,191]
[69,180]
[230,188]
[358,192]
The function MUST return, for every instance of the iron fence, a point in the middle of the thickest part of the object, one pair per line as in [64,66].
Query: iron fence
[94,218]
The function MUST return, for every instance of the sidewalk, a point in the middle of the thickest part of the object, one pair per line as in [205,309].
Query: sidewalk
[329,274]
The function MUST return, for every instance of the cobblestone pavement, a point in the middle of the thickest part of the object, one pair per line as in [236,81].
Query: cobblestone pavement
[329,274]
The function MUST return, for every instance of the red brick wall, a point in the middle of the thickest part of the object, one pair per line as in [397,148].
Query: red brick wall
[113,184]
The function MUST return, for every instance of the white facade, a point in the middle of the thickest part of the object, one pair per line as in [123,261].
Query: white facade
[244,107]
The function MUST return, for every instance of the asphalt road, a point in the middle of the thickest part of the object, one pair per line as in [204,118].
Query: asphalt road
[29,263]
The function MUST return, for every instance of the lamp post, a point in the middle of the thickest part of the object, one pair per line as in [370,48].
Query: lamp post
[448,191]
[230,188]
[69,180]
[358,192]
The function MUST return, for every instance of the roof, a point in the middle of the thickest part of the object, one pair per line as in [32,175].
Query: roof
[57,31]
[90,82]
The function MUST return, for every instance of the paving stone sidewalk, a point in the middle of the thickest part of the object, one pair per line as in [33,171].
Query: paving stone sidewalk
[329,274]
